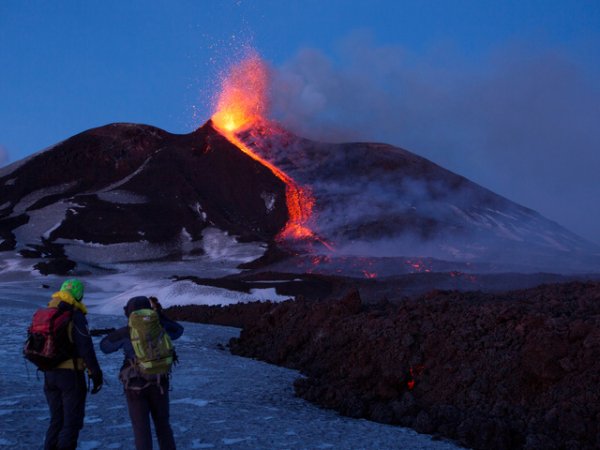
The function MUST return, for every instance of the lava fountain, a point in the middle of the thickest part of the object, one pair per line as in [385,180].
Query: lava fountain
[243,103]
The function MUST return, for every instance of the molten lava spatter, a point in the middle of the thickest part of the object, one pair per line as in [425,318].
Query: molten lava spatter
[242,103]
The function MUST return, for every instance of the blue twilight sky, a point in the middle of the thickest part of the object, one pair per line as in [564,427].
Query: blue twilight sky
[506,93]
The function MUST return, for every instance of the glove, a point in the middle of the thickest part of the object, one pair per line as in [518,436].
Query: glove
[156,306]
[97,380]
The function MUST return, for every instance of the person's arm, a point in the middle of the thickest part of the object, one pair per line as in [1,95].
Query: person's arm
[173,329]
[83,342]
[114,341]
[85,349]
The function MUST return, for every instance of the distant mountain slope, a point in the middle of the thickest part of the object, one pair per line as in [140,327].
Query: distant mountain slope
[376,199]
[157,194]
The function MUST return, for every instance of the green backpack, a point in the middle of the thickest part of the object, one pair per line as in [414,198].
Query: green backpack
[152,345]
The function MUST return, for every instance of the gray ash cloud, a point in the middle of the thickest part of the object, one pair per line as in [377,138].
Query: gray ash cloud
[520,121]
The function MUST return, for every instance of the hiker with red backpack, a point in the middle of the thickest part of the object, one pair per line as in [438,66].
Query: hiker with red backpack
[60,344]
[145,373]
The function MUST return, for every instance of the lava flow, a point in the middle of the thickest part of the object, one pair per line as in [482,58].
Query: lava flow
[243,103]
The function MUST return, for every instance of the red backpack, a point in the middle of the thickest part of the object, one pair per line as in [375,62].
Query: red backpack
[48,343]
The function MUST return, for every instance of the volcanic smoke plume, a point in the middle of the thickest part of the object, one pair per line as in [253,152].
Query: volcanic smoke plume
[520,121]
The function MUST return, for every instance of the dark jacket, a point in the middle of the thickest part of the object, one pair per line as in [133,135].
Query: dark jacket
[119,339]
[84,347]
[82,340]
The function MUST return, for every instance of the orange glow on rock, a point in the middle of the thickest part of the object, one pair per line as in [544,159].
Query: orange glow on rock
[242,103]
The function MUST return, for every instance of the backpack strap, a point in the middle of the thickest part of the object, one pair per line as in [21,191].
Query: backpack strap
[74,362]
[131,371]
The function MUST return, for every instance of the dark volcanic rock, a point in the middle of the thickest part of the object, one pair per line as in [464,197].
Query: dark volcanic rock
[493,371]
[240,315]
[125,183]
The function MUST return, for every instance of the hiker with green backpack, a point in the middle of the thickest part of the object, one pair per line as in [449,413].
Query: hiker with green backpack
[149,355]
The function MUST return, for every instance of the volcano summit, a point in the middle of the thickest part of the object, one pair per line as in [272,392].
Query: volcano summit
[134,192]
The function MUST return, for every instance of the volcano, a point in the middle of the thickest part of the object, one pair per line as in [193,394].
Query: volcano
[135,192]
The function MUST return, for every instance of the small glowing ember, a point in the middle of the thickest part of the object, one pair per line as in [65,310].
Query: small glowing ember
[418,265]
[414,372]
[242,103]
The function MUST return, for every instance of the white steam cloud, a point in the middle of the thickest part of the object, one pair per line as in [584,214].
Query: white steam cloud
[521,122]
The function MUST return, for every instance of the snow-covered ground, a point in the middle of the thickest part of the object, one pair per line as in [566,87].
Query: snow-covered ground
[110,285]
[218,400]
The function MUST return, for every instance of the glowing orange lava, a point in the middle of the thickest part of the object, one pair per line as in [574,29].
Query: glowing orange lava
[242,103]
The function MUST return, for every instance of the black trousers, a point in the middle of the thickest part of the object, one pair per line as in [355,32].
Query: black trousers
[152,401]
[65,391]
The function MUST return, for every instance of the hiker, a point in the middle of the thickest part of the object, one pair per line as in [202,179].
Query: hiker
[64,385]
[147,394]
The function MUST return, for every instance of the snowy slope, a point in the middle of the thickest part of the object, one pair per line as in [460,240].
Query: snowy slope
[379,200]
[218,400]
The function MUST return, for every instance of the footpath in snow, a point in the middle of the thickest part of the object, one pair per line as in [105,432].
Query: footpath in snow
[217,400]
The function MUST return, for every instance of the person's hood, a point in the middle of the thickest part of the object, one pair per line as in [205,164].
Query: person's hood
[135,303]
[65,297]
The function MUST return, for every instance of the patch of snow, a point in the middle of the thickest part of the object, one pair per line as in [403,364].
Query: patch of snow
[217,244]
[186,242]
[232,441]
[500,213]
[41,223]
[554,243]
[48,232]
[185,235]
[171,293]
[35,196]
[462,214]
[197,208]
[5,205]
[89,445]
[269,199]
[190,401]
[13,268]
[504,231]
[97,253]
[122,197]
[267,294]
[197,443]
[119,183]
